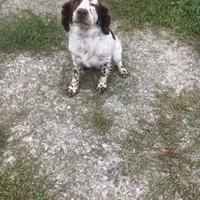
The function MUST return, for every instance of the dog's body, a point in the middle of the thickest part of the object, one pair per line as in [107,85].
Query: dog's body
[91,42]
[93,48]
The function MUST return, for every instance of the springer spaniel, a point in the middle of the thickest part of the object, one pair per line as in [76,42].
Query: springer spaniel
[91,42]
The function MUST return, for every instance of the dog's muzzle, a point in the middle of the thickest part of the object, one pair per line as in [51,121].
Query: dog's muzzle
[82,16]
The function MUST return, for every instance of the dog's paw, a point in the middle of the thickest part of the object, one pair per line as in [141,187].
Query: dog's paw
[123,72]
[101,87]
[71,92]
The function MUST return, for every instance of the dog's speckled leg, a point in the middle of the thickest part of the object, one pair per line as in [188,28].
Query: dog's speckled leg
[73,88]
[102,84]
[121,70]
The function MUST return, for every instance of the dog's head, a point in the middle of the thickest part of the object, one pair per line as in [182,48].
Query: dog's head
[86,13]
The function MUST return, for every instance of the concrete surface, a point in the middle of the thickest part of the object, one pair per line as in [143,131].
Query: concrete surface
[56,129]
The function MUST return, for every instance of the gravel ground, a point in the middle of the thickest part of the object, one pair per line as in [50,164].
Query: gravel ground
[55,128]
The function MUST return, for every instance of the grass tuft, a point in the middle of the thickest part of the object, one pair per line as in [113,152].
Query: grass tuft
[29,32]
[167,150]
[100,122]
[96,118]
[21,181]
[181,15]
[2,139]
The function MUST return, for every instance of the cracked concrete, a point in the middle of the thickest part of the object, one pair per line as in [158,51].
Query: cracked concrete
[51,126]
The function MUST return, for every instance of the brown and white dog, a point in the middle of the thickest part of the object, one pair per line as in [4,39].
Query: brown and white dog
[91,42]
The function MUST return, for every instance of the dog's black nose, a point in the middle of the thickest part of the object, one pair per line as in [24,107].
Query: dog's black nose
[82,12]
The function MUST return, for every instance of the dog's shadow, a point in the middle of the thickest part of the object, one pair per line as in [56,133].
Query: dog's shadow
[89,78]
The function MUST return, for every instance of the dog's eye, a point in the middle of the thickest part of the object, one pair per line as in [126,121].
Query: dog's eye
[74,1]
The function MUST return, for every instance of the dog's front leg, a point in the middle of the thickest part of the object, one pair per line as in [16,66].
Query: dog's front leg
[102,84]
[73,88]
[121,70]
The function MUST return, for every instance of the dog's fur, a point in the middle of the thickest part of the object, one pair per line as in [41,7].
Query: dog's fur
[91,42]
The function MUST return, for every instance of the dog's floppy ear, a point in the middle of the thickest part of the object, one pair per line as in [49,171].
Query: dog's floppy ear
[67,15]
[104,18]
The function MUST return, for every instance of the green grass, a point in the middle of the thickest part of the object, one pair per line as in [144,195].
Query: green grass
[181,15]
[21,181]
[2,139]
[97,119]
[29,32]
[166,151]
[100,122]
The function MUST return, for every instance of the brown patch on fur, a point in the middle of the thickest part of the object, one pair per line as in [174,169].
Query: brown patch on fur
[67,15]
[104,18]
[113,35]
[67,12]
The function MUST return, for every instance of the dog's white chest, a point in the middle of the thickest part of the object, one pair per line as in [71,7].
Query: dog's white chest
[90,51]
